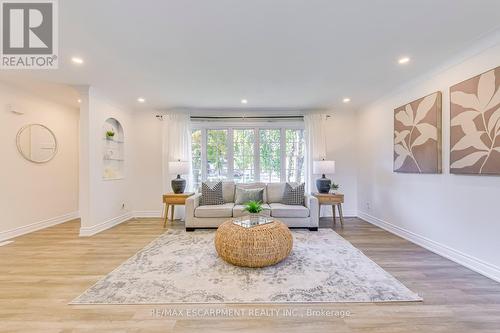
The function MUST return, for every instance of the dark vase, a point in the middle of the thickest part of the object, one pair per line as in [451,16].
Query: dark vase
[178,185]
[323,184]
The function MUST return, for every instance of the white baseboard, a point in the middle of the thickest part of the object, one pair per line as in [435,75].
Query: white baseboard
[90,231]
[147,213]
[489,270]
[16,232]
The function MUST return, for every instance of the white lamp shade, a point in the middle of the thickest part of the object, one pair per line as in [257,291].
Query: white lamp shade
[178,167]
[323,167]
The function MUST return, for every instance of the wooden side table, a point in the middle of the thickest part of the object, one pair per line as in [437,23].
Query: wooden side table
[173,199]
[333,200]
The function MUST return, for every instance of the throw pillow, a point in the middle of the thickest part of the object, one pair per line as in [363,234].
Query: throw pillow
[244,195]
[211,195]
[294,195]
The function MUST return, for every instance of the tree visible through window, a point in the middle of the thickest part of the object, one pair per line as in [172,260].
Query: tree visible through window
[217,165]
[244,155]
[295,148]
[196,151]
[270,155]
[248,154]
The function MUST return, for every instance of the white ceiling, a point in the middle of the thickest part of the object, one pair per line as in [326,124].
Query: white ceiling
[275,53]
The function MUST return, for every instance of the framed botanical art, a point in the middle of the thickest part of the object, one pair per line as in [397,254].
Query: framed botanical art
[417,135]
[475,125]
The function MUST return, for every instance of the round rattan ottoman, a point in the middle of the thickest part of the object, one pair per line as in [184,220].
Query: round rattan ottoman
[258,246]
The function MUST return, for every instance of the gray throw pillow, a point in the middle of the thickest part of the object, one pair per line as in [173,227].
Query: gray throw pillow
[211,195]
[244,195]
[294,195]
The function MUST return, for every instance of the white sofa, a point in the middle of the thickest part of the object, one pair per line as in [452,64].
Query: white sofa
[211,216]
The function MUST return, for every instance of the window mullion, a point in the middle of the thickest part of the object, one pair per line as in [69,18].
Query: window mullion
[230,154]
[256,154]
[283,154]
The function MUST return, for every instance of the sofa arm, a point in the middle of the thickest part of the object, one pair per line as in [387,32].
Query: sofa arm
[191,203]
[311,202]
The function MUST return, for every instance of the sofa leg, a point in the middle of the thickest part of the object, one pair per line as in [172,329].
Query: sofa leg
[313,229]
[189,229]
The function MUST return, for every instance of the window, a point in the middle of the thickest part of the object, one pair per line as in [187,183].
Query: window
[196,151]
[270,155]
[217,164]
[295,148]
[244,140]
[261,153]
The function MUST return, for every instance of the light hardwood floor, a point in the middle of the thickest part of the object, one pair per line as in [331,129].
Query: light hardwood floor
[43,271]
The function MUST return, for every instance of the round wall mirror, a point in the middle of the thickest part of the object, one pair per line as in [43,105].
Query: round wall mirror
[36,143]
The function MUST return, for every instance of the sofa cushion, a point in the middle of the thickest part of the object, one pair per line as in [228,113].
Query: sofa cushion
[254,186]
[239,210]
[228,191]
[224,210]
[281,210]
[275,192]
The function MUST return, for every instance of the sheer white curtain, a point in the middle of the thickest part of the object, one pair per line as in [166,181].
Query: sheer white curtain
[315,136]
[176,146]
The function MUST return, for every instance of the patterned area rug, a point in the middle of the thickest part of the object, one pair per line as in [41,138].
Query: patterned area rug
[181,267]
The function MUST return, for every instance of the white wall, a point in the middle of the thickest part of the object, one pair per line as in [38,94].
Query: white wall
[32,195]
[454,215]
[103,203]
[341,147]
[146,167]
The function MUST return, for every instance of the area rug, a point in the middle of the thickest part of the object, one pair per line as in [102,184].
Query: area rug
[182,267]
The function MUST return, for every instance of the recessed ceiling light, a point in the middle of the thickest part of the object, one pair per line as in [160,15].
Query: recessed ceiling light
[77,60]
[244,101]
[403,60]
[79,101]
[141,100]
[346,100]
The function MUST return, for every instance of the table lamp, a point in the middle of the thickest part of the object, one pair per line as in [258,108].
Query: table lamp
[321,168]
[180,168]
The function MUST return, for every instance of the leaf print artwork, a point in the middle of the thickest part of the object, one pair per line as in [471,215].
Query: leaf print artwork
[417,136]
[475,125]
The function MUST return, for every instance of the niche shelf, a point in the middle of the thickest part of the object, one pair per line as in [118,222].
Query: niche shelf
[113,150]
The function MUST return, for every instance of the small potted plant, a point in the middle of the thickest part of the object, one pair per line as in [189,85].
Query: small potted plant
[110,135]
[334,187]
[254,208]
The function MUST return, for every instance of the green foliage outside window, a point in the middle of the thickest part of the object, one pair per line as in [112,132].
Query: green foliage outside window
[270,156]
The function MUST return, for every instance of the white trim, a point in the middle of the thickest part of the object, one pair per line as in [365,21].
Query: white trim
[489,270]
[90,231]
[148,213]
[26,229]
